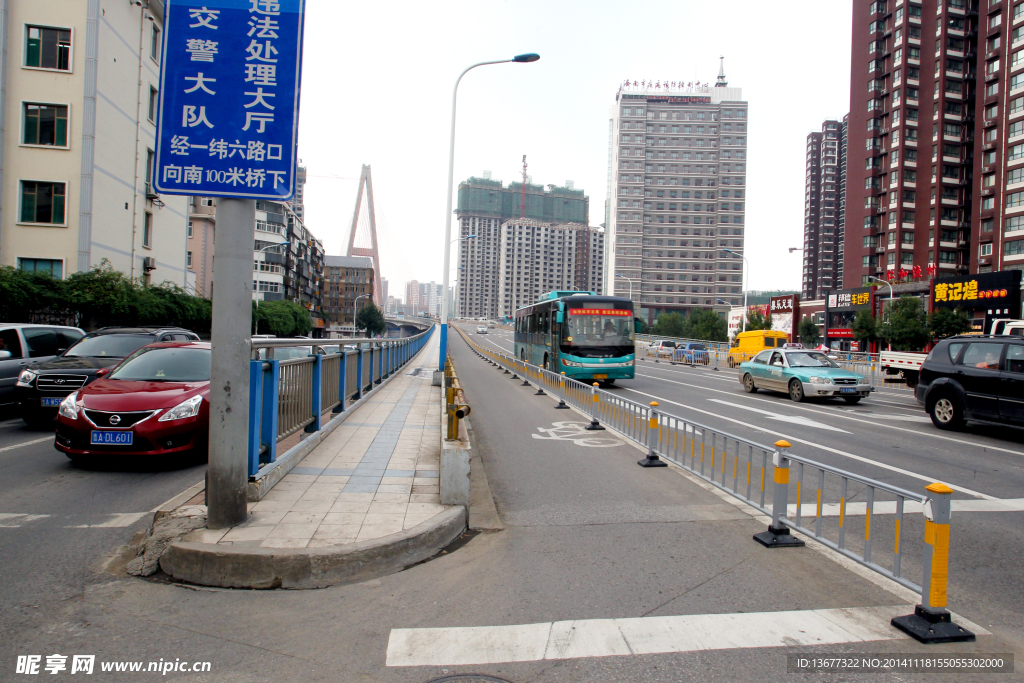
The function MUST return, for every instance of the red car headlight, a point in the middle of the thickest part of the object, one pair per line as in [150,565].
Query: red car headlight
[187,408]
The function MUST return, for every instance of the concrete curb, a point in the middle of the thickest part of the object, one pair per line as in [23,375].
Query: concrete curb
[254,567]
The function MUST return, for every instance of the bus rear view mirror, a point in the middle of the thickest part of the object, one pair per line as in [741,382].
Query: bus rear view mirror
[637,325]
[560,317]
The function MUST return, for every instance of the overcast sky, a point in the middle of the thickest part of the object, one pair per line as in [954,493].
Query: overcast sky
[377,83]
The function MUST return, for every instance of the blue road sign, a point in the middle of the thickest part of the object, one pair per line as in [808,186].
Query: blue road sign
[229,98]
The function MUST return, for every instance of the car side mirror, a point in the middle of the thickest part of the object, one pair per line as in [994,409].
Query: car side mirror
[102,372]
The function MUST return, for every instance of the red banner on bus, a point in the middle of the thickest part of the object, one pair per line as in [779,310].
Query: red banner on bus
[600,311]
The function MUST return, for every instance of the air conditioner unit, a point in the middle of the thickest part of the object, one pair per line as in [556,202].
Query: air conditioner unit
[150,193]
[148,263]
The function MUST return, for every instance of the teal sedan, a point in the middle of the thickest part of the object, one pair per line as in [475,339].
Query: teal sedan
[802,374]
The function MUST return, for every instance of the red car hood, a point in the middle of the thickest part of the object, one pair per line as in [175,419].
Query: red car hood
[121,395]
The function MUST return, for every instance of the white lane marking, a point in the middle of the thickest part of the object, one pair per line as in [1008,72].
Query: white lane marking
[902,418]
[13,520]
[794,419]
[836,413]
[464,646]
[26,443]
[845,454]
[117,520]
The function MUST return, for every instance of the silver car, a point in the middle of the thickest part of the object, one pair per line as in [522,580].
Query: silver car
[22,344]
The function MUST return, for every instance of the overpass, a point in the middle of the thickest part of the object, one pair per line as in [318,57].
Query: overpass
[407,326]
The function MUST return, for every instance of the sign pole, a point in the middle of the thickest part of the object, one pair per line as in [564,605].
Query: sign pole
[227,473]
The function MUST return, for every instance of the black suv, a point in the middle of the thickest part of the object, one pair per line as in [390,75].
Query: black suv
[42,386]
[978,378]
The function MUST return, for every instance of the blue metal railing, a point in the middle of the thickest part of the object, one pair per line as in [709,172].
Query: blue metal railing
[299,384]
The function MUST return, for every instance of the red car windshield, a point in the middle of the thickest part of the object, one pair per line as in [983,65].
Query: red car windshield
[166,364]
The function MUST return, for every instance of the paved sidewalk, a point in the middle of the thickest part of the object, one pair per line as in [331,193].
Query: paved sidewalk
[375,475]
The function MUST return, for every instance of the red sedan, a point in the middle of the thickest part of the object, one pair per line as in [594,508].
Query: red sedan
[154,402]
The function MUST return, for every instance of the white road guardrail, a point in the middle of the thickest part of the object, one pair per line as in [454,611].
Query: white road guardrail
[759,475]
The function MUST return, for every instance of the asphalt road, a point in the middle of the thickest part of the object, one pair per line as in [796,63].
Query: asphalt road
[887,437]
[59,523]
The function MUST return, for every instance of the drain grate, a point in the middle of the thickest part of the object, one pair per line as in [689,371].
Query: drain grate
[468,678]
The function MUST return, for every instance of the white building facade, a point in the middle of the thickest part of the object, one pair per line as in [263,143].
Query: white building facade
[78,125]
[538,257]
[677,183]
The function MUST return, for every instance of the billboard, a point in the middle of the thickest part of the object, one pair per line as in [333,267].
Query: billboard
[782,309]
[735,321]
[997,293]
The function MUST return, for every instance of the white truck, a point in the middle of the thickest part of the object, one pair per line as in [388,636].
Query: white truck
[905,363]
[1008,327]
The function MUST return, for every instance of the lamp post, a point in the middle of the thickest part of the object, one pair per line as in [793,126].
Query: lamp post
[355,309]
[746,271]
[269,246]
[631,281]
[891,296]
[524,58]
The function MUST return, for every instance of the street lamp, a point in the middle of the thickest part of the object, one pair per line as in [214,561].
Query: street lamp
[746,266]
[269,246]
[891,296]
[792,249]
[631,280]
[523,59]
[355,308]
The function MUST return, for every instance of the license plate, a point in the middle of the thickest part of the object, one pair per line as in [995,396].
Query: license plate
[600,376]
[51,402]
[848,390]
[105,438]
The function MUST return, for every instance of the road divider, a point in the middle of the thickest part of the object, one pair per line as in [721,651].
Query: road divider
[739,467]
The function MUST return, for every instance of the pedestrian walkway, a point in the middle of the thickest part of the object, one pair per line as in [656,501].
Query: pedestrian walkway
[375,475]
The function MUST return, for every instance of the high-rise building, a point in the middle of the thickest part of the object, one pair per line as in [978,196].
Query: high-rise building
[412,294]
[384,288]
[346,279]
[202,230]
[297,202]
[485,204]
[934,107]
[678,168]
[538,257]
[80,86]
[825,183]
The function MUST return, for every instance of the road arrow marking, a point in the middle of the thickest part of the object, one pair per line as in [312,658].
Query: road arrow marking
[793,419]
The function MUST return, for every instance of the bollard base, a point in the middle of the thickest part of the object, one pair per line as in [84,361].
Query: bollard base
[778,538]
[525,384]
[931,627]
[594,426]
[652,460]
[561,405]
[515,376]
[507,372]
[540,392]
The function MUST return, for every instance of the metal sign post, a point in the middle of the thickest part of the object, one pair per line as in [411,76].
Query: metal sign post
[228,128]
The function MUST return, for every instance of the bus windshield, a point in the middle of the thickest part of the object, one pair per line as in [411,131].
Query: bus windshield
[597,335]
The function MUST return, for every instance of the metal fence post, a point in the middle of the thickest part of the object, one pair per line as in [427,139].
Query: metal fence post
[778,535]
[931,622]
[255,406]
[653,437]
[317,389]
[340,408]
[561,393]
[271,402]
[380,364]
[359,374]
[594,399]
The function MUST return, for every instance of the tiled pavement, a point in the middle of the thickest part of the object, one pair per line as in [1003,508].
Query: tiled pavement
[375,475]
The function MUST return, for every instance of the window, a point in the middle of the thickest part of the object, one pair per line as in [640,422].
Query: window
[1016,105]
[991,111]
[988,223]
[992,89]
[190,228]
[988,203]
[995,20]
[988,180]
[983,355]
[1016,128]
[988,158]
[48,48]
[990,134]
[42,202]
[45,124]
[947,257]
[154,45]
[188,259]
[1013,199]
[1014,248]
[153,101]
[985,249]
[1013,224]
[147,231]
[54,267]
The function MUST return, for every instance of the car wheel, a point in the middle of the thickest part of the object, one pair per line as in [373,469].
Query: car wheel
[852,399]
[946,412]
[796,391]
[748,384]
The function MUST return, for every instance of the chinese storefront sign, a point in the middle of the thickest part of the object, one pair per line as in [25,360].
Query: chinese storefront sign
[999,290]
[781,309]
[229,102]
[849,298]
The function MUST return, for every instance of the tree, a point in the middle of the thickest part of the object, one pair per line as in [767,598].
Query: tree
[947,322]
[371,319]
[756,320]
[669,324]
[906,327]
[864,329]
[707,325]
[808,331]
[281,318]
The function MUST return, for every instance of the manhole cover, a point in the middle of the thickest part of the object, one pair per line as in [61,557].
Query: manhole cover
[468,678]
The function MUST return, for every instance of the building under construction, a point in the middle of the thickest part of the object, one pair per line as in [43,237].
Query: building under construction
[484,206]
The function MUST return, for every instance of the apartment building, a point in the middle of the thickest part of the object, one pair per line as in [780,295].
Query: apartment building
[824,221]
[348,286]
[484,205]
[77,127]
[677,173]
[538,257]
[202,233]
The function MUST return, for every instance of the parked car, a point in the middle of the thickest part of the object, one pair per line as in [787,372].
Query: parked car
[693,353]
[978,378]
[802,374]
[42,386]
[481,329]
[661,347]
[24,344]
[155,403]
